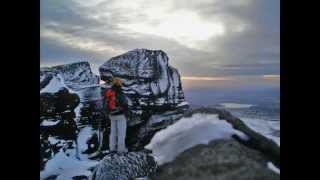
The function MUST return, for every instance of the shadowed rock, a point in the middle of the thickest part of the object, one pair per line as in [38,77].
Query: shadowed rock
[219,160]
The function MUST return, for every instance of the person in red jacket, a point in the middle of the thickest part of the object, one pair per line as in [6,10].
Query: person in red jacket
[117,104]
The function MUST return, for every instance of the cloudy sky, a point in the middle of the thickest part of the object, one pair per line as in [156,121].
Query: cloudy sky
[203,38]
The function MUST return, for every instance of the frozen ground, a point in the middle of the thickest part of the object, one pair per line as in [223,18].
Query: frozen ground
[65,165]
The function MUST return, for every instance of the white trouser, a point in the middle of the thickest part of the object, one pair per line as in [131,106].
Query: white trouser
[118,133]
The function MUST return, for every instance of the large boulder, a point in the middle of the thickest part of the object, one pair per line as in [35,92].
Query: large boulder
[154,89]
[149,80]
[219,160]
[125,166]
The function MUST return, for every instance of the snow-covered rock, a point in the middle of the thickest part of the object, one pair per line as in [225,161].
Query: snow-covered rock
[75,75]
[187,132]
[125,166]
[149,80]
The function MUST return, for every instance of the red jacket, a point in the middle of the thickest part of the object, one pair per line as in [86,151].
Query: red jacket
[111,98]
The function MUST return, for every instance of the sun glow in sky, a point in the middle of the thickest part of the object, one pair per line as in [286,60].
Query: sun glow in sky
[185,27]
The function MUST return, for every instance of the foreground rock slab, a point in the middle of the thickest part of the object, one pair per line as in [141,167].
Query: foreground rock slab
[219,160]
[256,141]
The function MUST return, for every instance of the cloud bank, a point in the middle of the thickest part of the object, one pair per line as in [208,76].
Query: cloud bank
[202,37]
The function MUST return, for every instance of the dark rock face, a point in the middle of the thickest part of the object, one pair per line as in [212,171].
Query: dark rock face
[124,166]
[57,121]
[154,89]
[55,103]
[219,160]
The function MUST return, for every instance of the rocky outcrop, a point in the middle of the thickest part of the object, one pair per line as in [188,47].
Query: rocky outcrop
[75,75]
[219,160]
[125,166]
[149,80]
[154,89]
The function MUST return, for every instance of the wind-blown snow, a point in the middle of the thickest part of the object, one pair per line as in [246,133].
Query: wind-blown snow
[188,132]
[273,167]
[235,105]
[54,86]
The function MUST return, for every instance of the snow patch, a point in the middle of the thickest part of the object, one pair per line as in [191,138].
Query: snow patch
[53,140]
[188,132]
[54,86]
[65,164]
[273,167]
[83,136]
[49,123]
[77,111]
